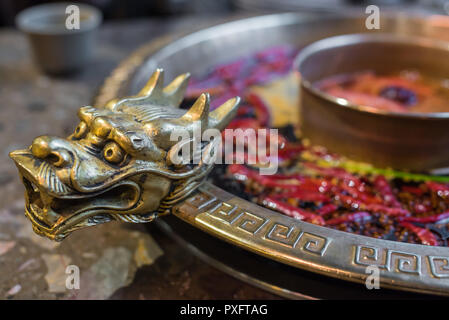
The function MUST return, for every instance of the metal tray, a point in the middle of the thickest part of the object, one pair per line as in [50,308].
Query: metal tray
[337,254]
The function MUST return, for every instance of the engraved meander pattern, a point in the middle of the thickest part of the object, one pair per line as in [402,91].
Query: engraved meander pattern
[402,262]
[290,236]
[265,229]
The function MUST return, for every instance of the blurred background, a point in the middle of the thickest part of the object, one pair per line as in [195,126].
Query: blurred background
[119,9]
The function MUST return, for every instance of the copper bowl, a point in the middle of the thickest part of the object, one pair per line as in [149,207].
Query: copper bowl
[411,141]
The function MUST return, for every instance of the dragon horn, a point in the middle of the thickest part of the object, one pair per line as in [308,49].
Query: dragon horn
[199,111]
[153,89]
[220,117]
[174,92]
[154,85]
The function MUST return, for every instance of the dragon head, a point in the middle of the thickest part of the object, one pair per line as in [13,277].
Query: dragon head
[116,165]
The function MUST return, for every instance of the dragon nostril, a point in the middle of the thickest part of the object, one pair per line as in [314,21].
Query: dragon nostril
[55,158]
[59,158]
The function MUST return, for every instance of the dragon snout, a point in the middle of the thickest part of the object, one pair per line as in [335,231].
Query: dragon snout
[53,149]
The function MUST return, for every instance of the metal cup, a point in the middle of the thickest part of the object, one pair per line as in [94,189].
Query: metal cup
[58,45]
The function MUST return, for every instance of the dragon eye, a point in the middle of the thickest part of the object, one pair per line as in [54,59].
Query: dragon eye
[113,153]
[80,130]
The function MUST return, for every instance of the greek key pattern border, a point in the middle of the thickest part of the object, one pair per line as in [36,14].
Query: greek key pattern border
[289,236]
[292,237]
[401,261]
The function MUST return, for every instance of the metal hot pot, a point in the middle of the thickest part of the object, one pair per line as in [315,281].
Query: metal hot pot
[279,238]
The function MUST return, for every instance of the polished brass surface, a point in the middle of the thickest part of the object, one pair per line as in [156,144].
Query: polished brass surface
[410,141]
[116,165]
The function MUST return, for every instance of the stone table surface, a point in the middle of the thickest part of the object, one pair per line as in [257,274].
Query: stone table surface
[115,260]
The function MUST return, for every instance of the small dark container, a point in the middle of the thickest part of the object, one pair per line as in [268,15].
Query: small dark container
[410,141]
[56,48]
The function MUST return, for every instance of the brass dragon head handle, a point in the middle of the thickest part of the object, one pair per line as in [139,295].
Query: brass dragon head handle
[116,165]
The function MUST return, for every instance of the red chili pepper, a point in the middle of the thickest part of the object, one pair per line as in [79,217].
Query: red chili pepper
[295,182]
[252,174]
[348,200]
[243,173]
[382,185]
[330,172]
[349,217]
[425,235]
[302,195]
[420,208]
[231,70]
[428,219]
[439,188]
[387,210]
[277,139]
[374,207]
[415,190]
[312,184]
[326,209]
[239,169]
[262,110]
[290,150]
[292,211]
[355,193]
